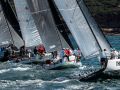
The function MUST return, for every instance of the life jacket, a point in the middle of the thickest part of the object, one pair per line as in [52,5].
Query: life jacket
[41,49]
[67,52]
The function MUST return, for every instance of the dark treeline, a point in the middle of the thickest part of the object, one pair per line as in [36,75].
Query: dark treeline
[106,12]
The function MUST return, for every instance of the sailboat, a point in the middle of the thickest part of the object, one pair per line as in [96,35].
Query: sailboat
[28,29]
[85,30]
[51,37]
[7,33]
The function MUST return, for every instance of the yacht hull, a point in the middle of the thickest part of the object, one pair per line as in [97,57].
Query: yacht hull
[113,65]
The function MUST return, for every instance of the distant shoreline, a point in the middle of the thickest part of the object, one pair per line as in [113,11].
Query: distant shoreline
[118,34]
[111,31]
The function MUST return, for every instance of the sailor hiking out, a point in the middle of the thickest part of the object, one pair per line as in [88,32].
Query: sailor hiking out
[104,57]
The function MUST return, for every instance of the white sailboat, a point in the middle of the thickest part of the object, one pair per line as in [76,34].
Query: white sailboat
[52,39]
[28,28]
[86,32]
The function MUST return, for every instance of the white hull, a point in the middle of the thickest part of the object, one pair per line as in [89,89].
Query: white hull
[64,64]
[113,65]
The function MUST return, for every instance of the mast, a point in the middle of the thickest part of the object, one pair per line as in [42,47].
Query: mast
[89,25]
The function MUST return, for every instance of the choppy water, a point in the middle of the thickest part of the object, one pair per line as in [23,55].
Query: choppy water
[31,77]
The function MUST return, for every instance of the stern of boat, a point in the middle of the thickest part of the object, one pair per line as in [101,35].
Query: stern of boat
[113,65]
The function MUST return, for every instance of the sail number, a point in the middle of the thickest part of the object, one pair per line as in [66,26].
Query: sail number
[118,63]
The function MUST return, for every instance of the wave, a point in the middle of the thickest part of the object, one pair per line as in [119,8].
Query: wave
[4,71]
[21,69]
[60,80]
[14,69]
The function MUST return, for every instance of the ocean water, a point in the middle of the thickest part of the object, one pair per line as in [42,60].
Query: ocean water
[15,76]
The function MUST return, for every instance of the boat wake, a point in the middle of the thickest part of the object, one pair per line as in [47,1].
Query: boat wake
[61,80]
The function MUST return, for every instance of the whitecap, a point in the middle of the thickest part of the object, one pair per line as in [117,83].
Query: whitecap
[4,70]
[20,69]
[60,80]
[82,67]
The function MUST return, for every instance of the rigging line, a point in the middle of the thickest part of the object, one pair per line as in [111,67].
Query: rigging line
[89,24]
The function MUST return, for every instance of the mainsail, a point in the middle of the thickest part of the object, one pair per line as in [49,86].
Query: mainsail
[28,28]
[45,23]
[7,33]
[78,24]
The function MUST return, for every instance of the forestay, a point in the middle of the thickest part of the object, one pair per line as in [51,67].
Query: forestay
[78,26]
[45,24]
[28,28]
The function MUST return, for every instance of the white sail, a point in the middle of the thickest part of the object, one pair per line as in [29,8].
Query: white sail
[28,28]
[45,24]
[78,26]
[64,43]
[96,30]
